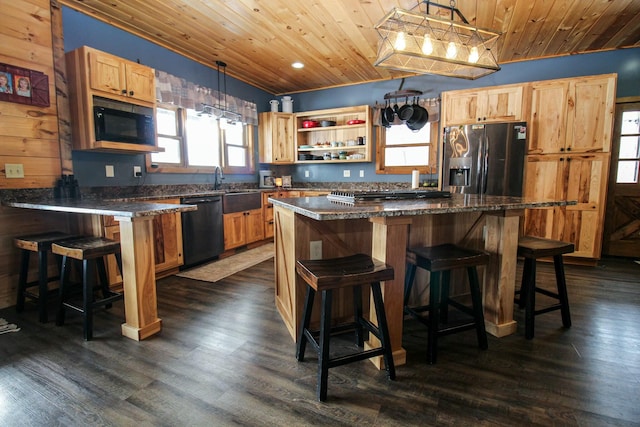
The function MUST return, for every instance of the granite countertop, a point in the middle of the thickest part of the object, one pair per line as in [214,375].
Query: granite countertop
[129,209]
[320,208]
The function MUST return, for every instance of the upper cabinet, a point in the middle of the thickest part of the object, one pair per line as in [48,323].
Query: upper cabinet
[277,141]
[97,77]
[496,104]
[120,79]
[572,115]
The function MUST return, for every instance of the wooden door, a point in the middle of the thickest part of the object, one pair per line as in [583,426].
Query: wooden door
[503,104]
[460,108]
[590,118]
[107,73]
[283,140]
[234,230]
[254,223]
[547,121]
[622,225]
[140,82]
[543,180]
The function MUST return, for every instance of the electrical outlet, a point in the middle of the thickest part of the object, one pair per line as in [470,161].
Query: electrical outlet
[361,173]
[346,173]
[137,171]
[108,170]
[14,170]
[306,174]
[315,249]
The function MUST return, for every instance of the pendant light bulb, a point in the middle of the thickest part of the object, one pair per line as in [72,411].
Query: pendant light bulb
[473,55]
[452,51]
[427,46]
[400,43]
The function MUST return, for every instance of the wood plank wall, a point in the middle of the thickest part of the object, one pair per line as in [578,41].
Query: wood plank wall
[30,135]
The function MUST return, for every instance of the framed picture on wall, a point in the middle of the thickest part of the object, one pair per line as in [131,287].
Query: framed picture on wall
[23,86]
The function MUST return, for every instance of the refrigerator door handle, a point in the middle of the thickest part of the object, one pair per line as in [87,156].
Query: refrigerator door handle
[485,165]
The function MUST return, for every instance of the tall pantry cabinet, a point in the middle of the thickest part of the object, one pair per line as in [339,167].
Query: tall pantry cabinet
[570,132]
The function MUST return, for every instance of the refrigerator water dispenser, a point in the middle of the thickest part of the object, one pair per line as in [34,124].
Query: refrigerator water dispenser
[459,177]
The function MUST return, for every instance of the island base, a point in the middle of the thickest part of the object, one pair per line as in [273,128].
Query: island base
[140,334]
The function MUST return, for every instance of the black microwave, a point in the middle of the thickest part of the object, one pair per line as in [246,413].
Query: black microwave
[123,126]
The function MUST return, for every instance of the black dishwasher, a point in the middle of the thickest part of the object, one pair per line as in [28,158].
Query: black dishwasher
[202,230]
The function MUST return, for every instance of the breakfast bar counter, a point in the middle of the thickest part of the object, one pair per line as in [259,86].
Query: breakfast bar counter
[136,239]
[316,227]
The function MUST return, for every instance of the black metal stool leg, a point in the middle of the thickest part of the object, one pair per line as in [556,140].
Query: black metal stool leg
[43,289]
[562,291]
[434,302]
[357,315]
[22,280]
[526,274]
[478,314]
[444,296]
[408,282]
[302,338]
[383,328]
[63,290]
[323,354]
[530,299]
[88,273]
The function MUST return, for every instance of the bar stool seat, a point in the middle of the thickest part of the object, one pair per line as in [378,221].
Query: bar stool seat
[439,261]
[533,248]
[325,276]
[91,251]
[40,244]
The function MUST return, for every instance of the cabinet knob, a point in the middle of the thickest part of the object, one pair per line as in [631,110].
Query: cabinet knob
[568,148]
[124,91]
[130,93]
[562,149]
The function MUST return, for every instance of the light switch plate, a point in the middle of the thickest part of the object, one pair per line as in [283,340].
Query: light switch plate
[108,170]
[346,173]
[14,170]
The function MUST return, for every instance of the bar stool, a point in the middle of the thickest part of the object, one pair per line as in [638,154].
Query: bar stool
[532,248]
[326,275]
[91,251]
[40,244]
[439,261]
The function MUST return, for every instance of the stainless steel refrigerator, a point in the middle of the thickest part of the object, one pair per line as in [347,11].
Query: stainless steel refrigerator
[484,158]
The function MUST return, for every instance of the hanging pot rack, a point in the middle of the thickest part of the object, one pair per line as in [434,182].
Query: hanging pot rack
[407,93]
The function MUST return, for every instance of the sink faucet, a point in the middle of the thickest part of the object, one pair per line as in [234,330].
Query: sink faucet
[217,178]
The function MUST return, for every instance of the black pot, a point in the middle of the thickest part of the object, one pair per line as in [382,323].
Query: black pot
[406,111]
[419,118]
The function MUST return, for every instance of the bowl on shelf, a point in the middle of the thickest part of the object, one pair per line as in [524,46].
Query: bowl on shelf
[327,123]
[355,122]
[310,124]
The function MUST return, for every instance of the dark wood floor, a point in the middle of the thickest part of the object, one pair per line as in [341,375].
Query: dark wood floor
[225,358]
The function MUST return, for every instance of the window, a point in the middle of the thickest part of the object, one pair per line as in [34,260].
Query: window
[195,142]
[400,150]
[629,151]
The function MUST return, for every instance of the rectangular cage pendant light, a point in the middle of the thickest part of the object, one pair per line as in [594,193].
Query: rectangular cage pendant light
[414,41]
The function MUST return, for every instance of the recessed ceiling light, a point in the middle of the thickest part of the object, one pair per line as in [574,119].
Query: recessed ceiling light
[297,65]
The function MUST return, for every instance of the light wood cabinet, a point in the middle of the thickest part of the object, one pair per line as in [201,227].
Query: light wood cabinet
[352,124]
[267,207]
[276,133]
[120,79]
[579,177]
[572,115]
[242,228]
[495,104]
[94,74]
[167,232]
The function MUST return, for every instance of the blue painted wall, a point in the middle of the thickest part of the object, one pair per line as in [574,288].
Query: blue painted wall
[89,167]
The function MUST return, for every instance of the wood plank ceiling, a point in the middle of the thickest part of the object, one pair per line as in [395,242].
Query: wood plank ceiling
[335,39]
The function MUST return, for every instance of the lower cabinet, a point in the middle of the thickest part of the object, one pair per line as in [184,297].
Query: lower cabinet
[576,177]
[242,228]
[167,231]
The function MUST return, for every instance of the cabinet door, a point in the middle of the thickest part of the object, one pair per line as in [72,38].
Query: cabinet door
[276,131]
[234,230]
[502,104]
[254,225]
[589,124]
[543,180]
[107,74]
[585,182]
[547,122]
[460,108]
[140,81]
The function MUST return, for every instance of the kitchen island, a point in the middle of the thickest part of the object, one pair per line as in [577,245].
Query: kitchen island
[315,227]
[136,239]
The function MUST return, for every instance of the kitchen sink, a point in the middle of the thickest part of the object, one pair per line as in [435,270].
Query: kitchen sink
[241,201]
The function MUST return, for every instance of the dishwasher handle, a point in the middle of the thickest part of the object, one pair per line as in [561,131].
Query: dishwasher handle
[202,200]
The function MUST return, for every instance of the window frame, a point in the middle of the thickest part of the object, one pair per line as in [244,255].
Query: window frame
[431,168]
[181,117]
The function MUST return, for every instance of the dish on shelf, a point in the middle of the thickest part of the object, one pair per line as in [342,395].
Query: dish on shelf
[355,122]
[327,123]
[310,124]
[305,147]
